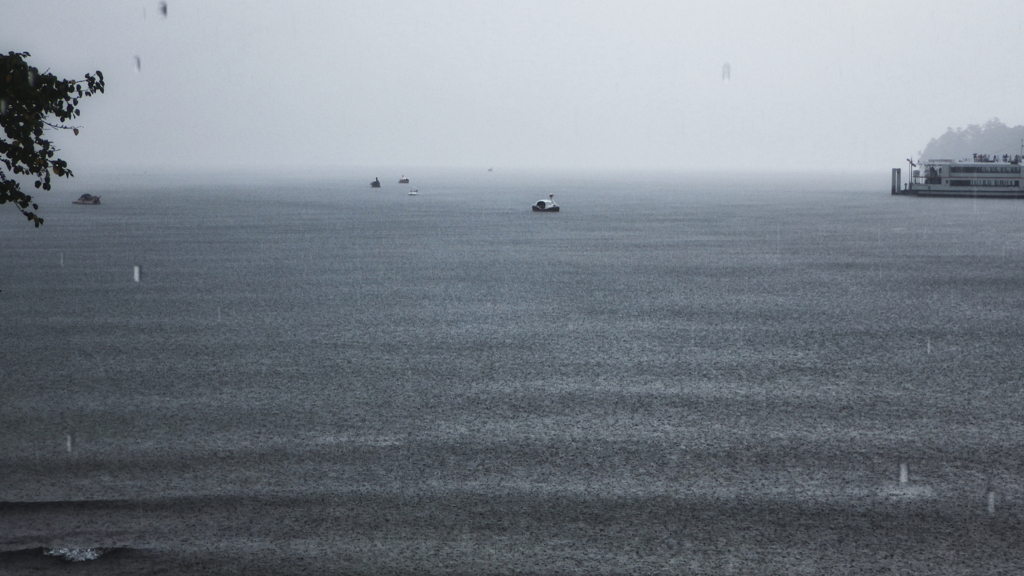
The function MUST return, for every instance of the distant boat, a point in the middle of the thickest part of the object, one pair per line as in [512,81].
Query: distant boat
[414,192]
[87,199]
[546,205]
[403,180]
[375,183]
[490,169]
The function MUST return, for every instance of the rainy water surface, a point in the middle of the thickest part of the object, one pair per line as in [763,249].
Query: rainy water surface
[673,375]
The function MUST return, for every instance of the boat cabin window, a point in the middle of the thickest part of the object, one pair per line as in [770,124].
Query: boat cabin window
[985,169]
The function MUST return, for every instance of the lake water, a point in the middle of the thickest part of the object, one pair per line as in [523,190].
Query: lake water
[677,374]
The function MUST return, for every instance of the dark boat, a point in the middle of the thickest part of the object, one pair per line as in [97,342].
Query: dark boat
[375,183]
[546,205]
[403,180]
[87,199]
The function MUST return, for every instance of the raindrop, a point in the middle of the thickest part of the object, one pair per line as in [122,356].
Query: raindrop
[163,9]
[136,274]
[904,473]
[70,442]
[31,79]
[3,106]
[726,72]
[138,64]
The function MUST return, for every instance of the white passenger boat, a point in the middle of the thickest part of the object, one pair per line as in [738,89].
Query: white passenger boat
[981,176]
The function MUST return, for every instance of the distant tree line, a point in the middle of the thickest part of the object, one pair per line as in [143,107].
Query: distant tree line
[994,138]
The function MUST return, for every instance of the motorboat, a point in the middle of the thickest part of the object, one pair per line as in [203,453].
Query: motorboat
[414,192]
[403,180]
[546,205]
[375,183]
[87,199]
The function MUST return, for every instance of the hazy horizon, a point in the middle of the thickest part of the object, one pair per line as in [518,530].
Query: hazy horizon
[531,85]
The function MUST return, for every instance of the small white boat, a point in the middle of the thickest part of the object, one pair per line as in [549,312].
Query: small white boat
[414,192]
[546,205]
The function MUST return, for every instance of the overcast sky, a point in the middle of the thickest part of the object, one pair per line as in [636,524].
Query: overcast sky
[525,84]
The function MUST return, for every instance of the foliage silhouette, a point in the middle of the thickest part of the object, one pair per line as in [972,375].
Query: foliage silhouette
[28,101]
